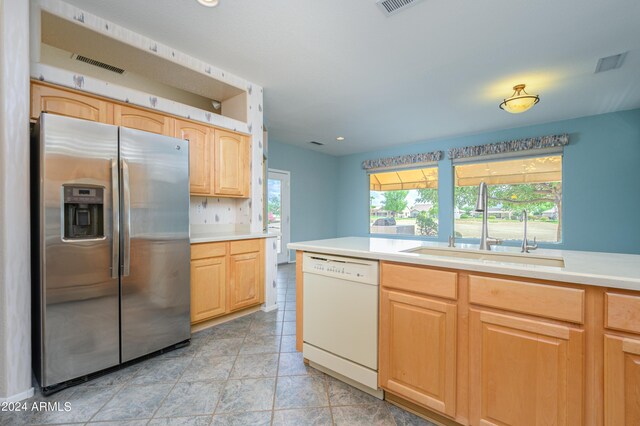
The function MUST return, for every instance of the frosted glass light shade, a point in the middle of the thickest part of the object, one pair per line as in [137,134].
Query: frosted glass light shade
[209,3]
[520,101]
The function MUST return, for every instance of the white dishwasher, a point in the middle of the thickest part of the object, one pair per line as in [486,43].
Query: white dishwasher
[340,318]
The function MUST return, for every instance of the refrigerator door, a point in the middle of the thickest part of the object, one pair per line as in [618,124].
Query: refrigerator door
[155,259]
[76,287]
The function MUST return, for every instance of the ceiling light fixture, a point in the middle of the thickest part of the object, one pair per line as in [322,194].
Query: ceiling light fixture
[209,3]
[520,101]
[340,138]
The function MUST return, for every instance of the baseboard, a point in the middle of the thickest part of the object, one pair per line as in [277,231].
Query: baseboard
[419,411]
[225,318]
[269,308]
[19,397]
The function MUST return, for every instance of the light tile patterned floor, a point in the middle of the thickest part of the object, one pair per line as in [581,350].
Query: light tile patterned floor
[243,372]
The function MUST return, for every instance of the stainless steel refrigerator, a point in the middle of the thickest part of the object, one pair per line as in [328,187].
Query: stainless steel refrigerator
[110,247]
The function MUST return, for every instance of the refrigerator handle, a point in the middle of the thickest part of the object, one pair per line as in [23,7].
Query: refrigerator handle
[115,212]
[126,220]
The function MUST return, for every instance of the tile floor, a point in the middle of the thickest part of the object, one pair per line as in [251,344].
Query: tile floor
[243,372]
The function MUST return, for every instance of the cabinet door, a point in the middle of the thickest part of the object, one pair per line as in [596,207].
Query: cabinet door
[524,372]
[418,350]
[200,152]
[244,280]
[231,164]
[140,119]
[70,104]
[208,279]
[621,380]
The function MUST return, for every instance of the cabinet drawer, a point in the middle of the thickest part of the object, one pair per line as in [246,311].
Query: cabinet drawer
[622,312]
[245,246]
[417,279]
[562,303]
[202,251]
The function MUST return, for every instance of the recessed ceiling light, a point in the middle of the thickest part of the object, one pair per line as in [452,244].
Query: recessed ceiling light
[340,138]
[209,3]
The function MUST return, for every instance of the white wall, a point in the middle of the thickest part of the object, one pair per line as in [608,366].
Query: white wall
[15,278]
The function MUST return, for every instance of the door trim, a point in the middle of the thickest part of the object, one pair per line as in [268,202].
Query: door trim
[285,212]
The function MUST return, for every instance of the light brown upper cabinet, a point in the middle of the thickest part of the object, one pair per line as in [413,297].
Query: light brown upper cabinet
[45,98]
[200,154]
[232,165]
[140,119]
[220,161]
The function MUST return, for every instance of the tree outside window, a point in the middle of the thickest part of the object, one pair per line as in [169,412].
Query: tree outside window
[532,184]
[404,202]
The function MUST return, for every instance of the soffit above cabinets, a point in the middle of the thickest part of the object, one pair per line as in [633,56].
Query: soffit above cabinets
[71,37]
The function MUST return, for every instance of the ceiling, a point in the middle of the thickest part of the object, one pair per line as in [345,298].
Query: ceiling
[439,69]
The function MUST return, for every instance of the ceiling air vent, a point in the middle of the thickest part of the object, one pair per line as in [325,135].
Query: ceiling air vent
[99,64]
[391,7]
[316,143]
[610,62]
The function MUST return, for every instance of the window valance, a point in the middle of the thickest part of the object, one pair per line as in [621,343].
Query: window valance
[493,149]
[403,161]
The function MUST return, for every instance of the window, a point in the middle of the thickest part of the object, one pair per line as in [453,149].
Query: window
[533,184]
[404,202]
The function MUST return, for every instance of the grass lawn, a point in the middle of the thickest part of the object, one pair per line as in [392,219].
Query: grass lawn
[503,229]
[508,229]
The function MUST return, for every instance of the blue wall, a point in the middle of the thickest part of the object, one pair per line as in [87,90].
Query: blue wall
[314,186]
[601,181]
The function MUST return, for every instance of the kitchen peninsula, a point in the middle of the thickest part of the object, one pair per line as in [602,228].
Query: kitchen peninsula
[464,334]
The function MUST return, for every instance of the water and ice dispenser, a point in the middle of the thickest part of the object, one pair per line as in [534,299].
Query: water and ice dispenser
[83,212]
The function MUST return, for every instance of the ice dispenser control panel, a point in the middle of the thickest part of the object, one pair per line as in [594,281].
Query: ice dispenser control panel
[83,212]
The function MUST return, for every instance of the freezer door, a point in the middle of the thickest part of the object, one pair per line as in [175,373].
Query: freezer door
[155,251]
[76,284]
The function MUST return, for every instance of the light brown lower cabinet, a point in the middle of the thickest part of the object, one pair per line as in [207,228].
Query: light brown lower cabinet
[418,349]
[480,349]
[226,277]
[244,280]
[524,371]
[208,285]
[621,380]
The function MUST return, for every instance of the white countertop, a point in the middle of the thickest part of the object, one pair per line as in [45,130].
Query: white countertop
[580,267]
[210,237]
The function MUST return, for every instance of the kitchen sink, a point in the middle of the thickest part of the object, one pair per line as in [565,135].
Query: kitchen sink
[525,259]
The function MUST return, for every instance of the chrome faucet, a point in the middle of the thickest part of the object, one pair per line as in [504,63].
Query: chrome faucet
[525,241]
[482,205]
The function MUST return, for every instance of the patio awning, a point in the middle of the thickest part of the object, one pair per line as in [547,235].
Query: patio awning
[523,170]
[404,179]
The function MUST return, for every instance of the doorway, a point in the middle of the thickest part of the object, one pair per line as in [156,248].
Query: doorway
[278,210]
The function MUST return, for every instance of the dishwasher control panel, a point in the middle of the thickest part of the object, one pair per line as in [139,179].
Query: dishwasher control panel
[348,268]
